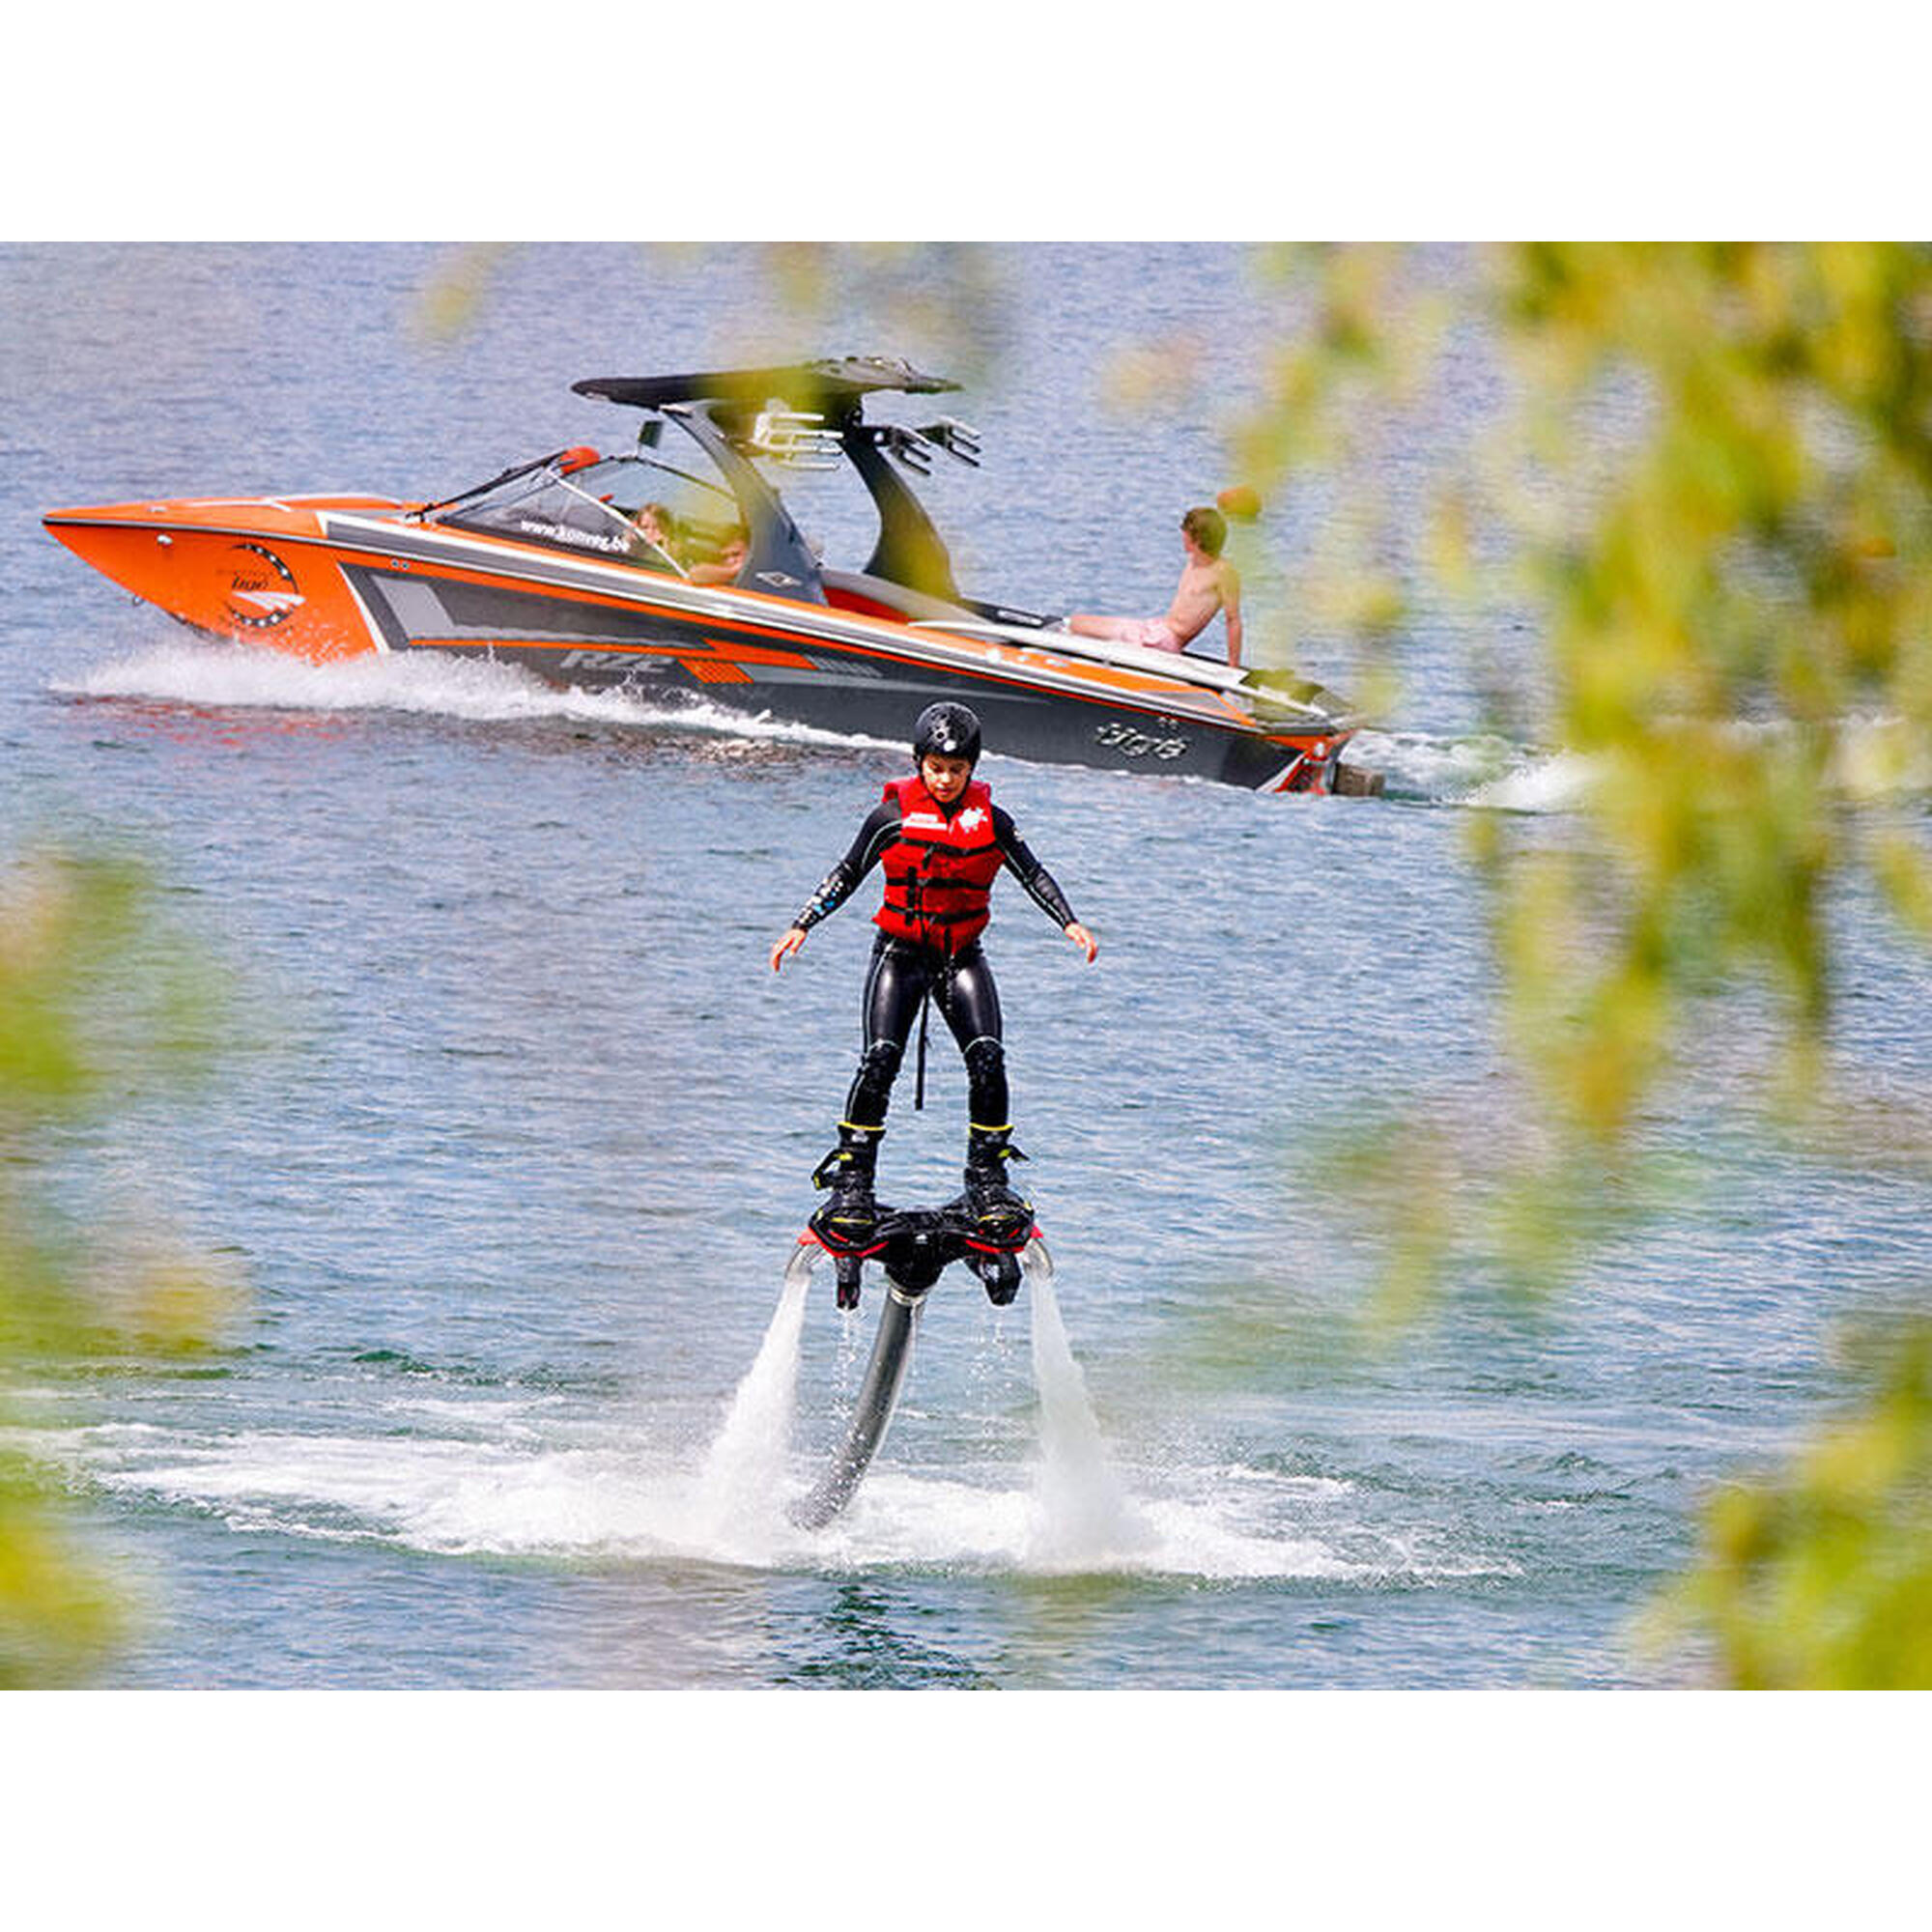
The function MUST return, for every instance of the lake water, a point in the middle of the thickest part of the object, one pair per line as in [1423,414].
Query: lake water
[520,1146]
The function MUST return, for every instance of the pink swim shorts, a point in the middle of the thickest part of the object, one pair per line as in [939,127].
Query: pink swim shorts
[1151,634]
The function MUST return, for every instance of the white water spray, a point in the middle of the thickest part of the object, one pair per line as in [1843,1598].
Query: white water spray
[737,1506]
[476,690]
[1086,1518]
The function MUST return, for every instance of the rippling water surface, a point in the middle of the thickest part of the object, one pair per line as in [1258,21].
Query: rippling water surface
[520,1142]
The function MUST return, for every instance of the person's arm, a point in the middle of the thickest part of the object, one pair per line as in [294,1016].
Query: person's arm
[1232,607]
[651,556]
[1042,887]
[839,884]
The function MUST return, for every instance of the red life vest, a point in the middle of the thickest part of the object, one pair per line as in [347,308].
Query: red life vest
[939,868]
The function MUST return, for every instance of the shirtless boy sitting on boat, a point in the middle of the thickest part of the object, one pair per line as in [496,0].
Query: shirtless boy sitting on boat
[1208,583]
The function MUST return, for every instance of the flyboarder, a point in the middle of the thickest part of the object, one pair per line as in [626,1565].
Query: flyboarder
[942,841]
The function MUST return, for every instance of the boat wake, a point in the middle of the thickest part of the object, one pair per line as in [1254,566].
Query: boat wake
[209,677]
[1482,772]
[239,677]
[1874,758]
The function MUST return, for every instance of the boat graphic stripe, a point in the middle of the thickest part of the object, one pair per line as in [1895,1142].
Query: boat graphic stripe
[626,587]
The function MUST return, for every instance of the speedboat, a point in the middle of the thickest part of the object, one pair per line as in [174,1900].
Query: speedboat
[675,571]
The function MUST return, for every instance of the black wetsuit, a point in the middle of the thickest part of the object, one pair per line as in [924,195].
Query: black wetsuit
[903,973]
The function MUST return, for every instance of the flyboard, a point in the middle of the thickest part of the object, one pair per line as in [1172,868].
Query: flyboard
[914,1246]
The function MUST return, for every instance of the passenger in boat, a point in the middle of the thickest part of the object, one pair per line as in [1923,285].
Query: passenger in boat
[730,562]
[1208,583]
[942,841]
[656,534]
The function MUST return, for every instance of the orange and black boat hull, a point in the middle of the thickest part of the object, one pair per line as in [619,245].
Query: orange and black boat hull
[330,577]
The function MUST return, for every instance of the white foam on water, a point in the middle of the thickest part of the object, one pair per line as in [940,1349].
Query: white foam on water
[1484,770]
[1559,783]
[476,690]
[635,1501]
[1874,758]
[495,1484]
[1417,765]
[449,1498]
[1878,757]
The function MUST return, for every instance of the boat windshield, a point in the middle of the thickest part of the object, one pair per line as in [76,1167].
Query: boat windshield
[596,509]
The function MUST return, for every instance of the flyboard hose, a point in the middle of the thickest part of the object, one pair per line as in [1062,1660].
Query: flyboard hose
[918,1244]
[878,1394]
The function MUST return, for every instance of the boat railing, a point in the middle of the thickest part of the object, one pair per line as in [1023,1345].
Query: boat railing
[793,438]
[1251,688]
[957,438]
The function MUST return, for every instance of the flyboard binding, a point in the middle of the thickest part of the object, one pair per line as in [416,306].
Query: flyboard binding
[914,1246]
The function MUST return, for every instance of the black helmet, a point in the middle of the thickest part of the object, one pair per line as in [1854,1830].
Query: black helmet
[949,729]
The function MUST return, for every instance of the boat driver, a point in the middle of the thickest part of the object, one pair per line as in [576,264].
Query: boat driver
[732,550]
[658,534]
[1208,583]
[655,542]
[942,841]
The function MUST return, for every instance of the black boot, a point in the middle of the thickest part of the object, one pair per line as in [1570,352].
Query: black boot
[999,1217]
[848,1221]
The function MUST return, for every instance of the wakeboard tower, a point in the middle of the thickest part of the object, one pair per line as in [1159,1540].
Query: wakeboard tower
[914,1246]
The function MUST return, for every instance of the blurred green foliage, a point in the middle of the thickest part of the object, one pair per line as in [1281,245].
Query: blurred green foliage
[100,1008]
[1822,1578]
[1710,488]
[953,301]
[1712,466]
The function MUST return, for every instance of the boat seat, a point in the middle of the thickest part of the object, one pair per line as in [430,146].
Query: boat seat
[880,597]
